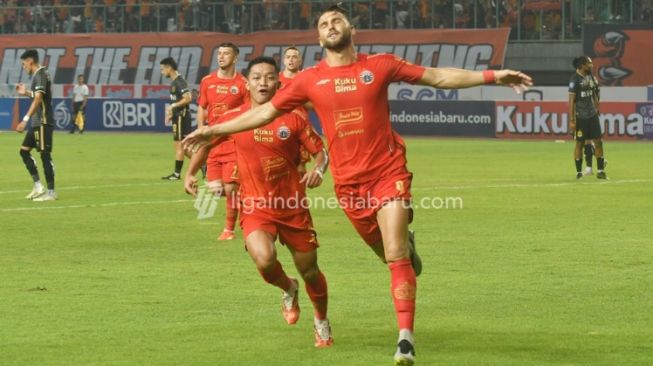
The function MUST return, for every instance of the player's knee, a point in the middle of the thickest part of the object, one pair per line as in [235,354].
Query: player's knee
[599,144]
[264,261]
[396,251]
[309,274]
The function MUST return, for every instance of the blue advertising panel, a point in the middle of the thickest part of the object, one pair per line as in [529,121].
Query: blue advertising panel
[452,118]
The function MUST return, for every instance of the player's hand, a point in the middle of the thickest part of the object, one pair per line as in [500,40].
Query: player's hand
[168,112]
[20,89]
[196,140]
[301,168]
[517,80]
[190,185]
[312,179]
[20,128]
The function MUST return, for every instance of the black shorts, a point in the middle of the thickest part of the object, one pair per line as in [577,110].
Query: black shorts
[588,129]
[39,138]
[181,127]
[77,107]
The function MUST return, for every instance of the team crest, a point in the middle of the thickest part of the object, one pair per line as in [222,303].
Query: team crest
[283,133]
[579,134]
[233,89]
[367,77]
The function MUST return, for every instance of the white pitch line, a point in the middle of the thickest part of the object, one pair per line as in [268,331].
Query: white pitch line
[109,204]
[72,188]
[535,185]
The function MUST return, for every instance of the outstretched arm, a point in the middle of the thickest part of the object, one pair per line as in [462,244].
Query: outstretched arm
[254,118]
[196,161]
[451,78]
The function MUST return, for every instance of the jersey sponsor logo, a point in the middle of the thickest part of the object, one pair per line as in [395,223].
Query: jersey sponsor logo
[323,82]
[234,90]
[283,133]
[263,135]
[221,89]
[579,134]
[348,116]
[275,168]
[345,85]
[211,86]
[366,77]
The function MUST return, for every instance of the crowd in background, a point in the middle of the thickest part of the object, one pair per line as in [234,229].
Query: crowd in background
[529,19]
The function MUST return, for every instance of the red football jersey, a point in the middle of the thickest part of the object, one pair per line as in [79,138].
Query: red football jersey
[267,159]
[352,104]
[284,80]
[218,95]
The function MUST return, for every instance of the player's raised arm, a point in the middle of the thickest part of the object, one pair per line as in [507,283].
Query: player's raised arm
[254,118]
[451,78]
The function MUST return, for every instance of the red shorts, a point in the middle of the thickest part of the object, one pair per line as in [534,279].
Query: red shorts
[295,231]
[227,172]
[361,201]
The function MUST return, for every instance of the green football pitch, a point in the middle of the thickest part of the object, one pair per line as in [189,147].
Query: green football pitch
[523,265]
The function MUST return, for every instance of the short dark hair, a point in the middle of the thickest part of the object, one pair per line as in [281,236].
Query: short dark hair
[291,48]
[338,8]
[31,53]
[80,76]
[230,45]
[262,60]
[169,61]
[578,62]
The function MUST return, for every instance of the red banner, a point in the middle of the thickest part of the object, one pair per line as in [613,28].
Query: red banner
[116,59]
[549,120]
[621,53]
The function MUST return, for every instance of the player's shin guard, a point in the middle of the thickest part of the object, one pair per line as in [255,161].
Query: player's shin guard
[276,276]
[318,293]
[404,286]
[232,212]
[579,165]
[48,168]
[589,152]
[30,164]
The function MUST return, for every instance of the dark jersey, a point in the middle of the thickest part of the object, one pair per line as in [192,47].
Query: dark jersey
[586,89]
[41,83]
[178,88]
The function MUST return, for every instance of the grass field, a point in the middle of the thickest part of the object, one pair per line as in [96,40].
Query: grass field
[534,269]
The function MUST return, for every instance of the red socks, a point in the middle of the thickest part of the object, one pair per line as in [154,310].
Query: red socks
[232,212]
[404,286]
[277,277]
[317,292]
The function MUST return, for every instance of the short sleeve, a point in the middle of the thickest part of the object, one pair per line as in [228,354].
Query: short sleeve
[573,85]
[309,139]
[202,99]
[402,70]
[183,86]
[38,85]
[293,95]
[85,91]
